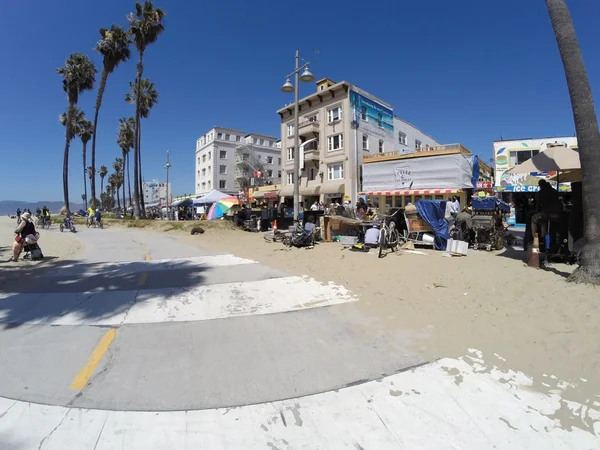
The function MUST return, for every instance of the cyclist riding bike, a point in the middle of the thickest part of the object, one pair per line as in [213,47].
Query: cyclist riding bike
[90,213]
[45,215]
[98,217]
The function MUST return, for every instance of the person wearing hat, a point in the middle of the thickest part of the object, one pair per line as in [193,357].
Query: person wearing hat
[26,234]
[372,236]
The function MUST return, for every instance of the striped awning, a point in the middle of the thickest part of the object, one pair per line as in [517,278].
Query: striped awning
[414,192]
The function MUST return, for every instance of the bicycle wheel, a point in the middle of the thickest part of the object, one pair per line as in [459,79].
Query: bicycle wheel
[394,239]
[382,241]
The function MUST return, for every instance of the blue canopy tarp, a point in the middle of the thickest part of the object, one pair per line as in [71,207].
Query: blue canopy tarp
[212,197]
[432,212]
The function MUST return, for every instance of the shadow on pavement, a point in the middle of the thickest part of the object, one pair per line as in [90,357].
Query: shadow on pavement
[89,292]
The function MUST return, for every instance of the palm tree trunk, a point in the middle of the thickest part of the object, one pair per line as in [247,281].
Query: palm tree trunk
[136,153]
[68,135]
[129,181]
[588,138]
[141,181]
[84,174]
[124,186]
[101,88]
[118,198]
[101,191]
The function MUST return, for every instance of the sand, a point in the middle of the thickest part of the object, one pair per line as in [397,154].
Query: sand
[56,247]
[533,320]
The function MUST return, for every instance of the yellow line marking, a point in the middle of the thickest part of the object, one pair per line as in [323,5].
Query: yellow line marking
[86,371]
[148,257]
[143,278]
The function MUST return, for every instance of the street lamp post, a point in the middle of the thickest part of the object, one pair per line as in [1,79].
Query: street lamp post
[288,87]
[168,166]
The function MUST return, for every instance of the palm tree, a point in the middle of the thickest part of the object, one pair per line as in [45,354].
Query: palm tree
[125,137]
[148,98]
[118,166]
[588,138]
[103,171]
[79,75]
[115,181]
[114,48]
[145,26]
[85,130]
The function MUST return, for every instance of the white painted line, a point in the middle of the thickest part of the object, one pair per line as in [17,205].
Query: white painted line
[88,269]
[445,405]
[220,301]
[212,301]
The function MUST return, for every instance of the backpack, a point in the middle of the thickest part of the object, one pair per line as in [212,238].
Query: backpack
[36,254]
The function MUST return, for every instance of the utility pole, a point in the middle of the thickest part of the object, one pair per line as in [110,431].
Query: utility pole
[168,166]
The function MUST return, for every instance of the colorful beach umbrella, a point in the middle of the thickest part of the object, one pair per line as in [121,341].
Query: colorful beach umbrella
[220,207]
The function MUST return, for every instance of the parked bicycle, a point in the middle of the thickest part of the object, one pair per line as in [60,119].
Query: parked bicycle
[388,236]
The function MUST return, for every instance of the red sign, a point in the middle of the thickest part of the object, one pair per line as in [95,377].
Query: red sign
[484,185]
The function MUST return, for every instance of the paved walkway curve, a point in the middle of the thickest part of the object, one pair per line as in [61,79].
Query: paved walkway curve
[145,343]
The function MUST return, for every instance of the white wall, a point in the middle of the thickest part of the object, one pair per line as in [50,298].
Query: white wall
[503,161]
[412,134]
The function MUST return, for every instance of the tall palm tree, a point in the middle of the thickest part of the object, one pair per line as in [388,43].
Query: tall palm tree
[145,26]
[115,181]
[103,171]
[148,98]
[79,75]
[85,131]
[90,174]
[588,138]
[114,48]
[125,137]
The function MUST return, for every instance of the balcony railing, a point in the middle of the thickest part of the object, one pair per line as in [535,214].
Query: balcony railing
[309,126]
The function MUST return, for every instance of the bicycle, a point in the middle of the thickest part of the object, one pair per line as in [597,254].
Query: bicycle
[46,222]
[388,236]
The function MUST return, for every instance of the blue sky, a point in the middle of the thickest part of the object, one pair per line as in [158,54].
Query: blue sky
[467,71]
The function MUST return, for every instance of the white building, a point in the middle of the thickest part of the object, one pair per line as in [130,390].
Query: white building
[155,193]
[511,153]
[229,160]
[339,123]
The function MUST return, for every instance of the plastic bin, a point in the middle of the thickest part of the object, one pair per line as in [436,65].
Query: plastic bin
[348,240]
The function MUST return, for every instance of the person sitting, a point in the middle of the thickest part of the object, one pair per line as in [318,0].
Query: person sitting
[548,208]
[309,226]
[372,236]
[26,235]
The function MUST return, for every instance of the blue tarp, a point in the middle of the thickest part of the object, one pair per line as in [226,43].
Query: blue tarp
[476,169]
[432,212]
[490,204]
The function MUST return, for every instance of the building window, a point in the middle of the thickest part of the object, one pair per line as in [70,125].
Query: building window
[203,172]
[254,140]
[363,113]
[222,184]
[222,169]
[290,177]
[290,130]
[279,161]
[209,168]
[313,118]
[402,138]
[269,160]
[209,155]
[335,142]
[198,161]
[379,120]
[290,153]
[269,173]
[312,174]
[519,157]
[365,143]
[279,174]
[238,138]
[259,156]
[335,171]
[223,154]
[380,146]
[334,114]
[203,158]
[219,135]
[209,184]
[418,143]
[227,137]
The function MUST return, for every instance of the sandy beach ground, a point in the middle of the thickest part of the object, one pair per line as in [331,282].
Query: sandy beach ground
[55,245]
[522,319]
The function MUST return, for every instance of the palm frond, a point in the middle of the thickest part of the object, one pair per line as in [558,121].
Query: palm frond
[146,24]
[114,47]
[79,75]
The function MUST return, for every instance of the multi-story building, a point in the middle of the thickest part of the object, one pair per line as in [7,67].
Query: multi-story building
[155,192]
[229,160]
[338,124]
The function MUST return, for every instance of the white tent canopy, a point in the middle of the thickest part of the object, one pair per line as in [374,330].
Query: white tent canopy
[211,197]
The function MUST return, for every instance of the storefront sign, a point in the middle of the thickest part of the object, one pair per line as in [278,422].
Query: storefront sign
[271,195]
[517,188]
[484,185]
